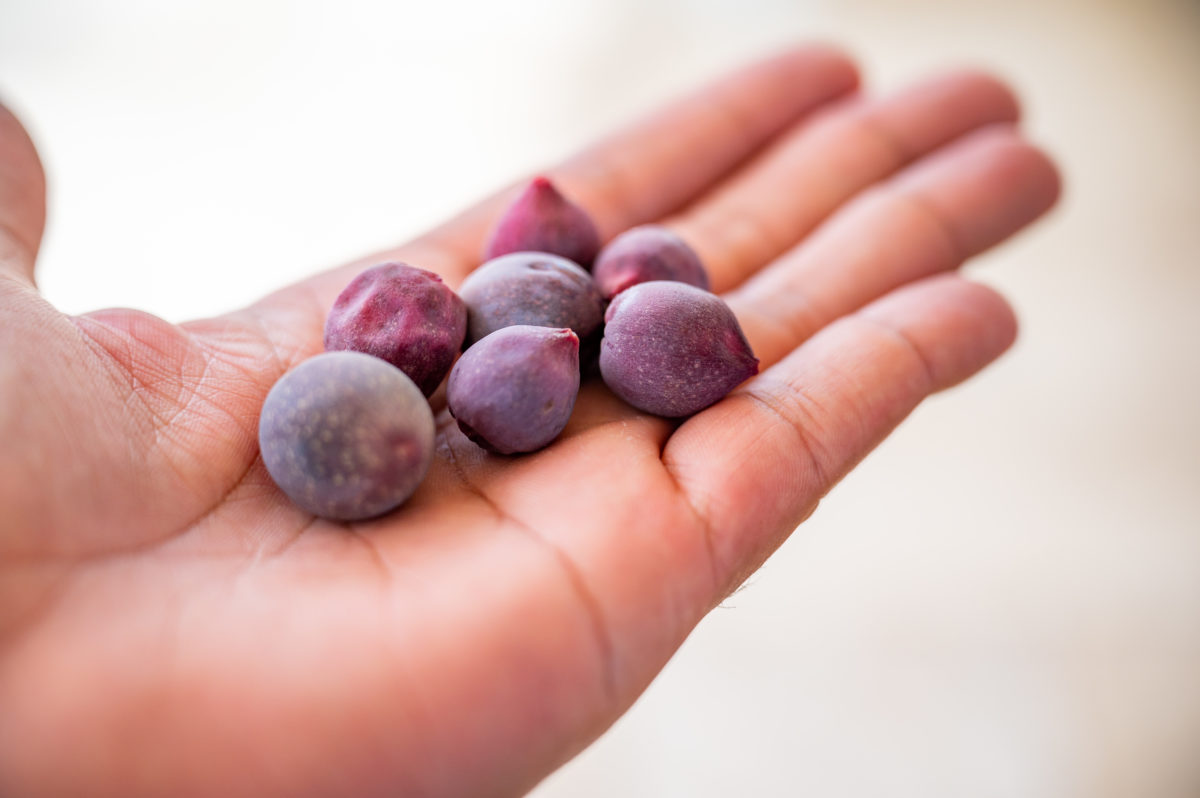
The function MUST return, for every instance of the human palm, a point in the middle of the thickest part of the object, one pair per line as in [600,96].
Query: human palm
[170,624]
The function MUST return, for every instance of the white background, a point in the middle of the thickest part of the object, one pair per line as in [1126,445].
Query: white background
[1004,600]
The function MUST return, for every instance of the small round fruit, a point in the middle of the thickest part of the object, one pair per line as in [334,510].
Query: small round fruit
[514,390]
[346,436]
[672,349]
[645,253]
[405,315]
[534,288]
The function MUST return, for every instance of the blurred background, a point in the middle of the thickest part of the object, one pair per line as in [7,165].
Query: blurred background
[1004,600]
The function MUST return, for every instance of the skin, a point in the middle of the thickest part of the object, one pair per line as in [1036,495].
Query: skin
[170,624]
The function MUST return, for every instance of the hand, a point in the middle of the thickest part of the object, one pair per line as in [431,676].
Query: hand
[171,625]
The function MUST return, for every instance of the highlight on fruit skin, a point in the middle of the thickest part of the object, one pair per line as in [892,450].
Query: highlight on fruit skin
[643,254]
[534,288]
[347,436]
[404,315]
[673,349]
[541,219]
[514,390]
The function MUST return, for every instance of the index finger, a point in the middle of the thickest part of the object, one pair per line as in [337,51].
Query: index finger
[648,169]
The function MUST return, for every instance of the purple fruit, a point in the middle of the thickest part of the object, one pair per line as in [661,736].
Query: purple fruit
[406,316]
[672,349]
[514,390]
[543,220]
[642,254]
[346,436]
[533,288]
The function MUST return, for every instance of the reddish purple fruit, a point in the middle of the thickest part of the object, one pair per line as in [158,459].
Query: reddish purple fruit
[514,390]
[672,349]
[543,220]
[532,288]
[404,315]
[642,254]
[346,436]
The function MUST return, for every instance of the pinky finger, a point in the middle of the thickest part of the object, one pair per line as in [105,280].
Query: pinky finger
[792,432]
[22,200]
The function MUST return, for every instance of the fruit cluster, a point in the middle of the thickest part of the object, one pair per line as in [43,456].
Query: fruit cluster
[349,434]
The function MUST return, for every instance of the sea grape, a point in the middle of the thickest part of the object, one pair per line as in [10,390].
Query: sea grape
[673,349]
[346,436]
[534,288]
[541,219]
[405,315]
[646,253]
[514,390]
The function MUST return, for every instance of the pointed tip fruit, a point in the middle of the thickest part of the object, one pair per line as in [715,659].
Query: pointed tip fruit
[514,390]
[541,219]
[673,349]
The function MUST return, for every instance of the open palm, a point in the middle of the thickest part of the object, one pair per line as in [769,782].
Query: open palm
[170,624]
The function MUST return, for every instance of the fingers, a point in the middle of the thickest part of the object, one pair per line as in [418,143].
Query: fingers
[792,432]
[22,200]
[929,218]
[774,202]
[668,158]
[663,160]
[652,167]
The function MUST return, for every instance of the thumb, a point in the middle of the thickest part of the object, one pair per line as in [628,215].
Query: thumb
[22,200]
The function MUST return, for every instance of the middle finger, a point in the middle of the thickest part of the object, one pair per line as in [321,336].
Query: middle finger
[783,194]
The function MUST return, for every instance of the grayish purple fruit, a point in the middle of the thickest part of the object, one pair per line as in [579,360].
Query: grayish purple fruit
[533,288]
[543,220]
[672,349]
[514,390]
[346,436]
[645,253]
[405,315]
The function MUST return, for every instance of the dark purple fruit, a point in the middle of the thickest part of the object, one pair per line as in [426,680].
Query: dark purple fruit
[543,220]
[514,390]
[346,436]
[533,288]
[642,254]
[672,349]
[405,315]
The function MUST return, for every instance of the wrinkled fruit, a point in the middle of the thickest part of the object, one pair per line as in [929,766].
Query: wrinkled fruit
[543,220]
[514,390]
[642,254]
[533,288]
[672,349]
[405,315]
[346,435]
